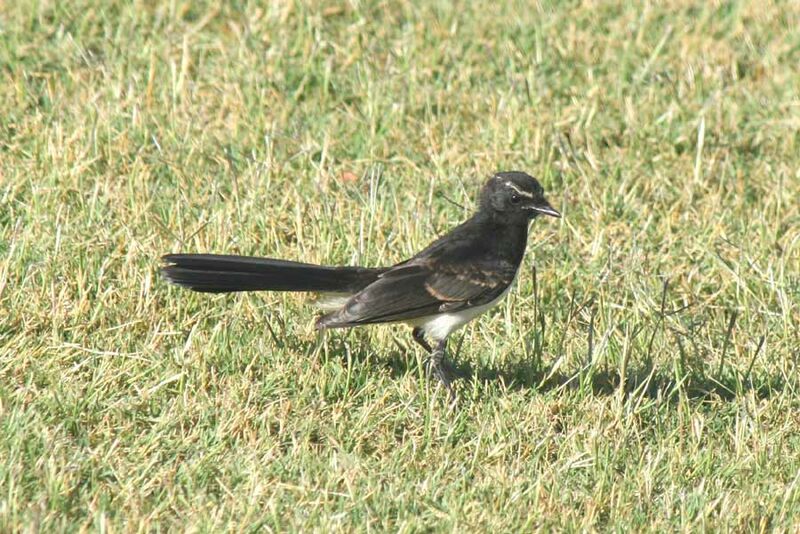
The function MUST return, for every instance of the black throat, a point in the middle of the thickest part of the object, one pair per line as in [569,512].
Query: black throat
[506,236]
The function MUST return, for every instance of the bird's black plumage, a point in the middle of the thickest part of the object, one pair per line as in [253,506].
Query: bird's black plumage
[217,273]
[470,266]
[438,290]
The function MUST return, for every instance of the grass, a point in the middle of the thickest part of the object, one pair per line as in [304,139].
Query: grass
[642,374]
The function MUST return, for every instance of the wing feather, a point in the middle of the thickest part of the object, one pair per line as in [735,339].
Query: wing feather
[421,289]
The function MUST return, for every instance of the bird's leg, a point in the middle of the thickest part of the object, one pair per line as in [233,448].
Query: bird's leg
[437,365]
[419,336]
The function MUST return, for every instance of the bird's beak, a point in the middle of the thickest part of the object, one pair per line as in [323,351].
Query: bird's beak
[545,209]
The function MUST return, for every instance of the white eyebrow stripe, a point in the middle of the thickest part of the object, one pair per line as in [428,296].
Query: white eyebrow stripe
[518,190]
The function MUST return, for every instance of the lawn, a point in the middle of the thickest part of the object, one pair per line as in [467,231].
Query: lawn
[642,373]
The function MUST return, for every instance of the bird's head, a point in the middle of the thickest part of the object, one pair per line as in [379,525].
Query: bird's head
[515,195]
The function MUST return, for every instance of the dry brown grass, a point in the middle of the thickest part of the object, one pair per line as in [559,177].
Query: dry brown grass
[647,380]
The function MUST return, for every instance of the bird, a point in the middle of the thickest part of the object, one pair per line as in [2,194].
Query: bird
[459,276]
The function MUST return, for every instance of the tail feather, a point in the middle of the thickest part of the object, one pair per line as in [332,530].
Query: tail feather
[213,273]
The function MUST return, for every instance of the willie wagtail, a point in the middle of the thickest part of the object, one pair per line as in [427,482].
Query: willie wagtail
[456,278]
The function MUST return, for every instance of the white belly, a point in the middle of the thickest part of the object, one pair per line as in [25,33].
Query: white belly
[439,326]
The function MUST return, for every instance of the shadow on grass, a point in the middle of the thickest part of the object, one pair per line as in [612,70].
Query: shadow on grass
[646,381]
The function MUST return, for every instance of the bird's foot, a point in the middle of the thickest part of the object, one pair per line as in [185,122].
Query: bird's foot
[444,372]
[439,367]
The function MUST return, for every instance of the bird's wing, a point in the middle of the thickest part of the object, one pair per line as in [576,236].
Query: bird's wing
[423,287]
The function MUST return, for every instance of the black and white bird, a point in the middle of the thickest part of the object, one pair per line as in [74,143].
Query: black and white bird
[456,278]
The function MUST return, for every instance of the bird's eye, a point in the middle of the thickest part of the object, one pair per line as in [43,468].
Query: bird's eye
[515,199]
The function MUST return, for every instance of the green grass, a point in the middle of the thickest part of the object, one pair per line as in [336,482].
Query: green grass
[642,374]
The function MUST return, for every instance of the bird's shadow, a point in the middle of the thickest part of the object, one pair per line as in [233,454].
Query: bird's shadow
[647,380]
